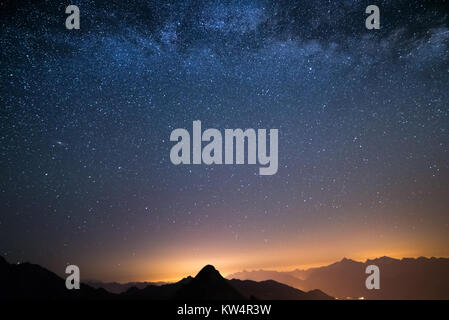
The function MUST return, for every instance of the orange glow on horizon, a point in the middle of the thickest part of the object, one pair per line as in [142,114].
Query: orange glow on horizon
[185,256]
[180,275]
[191,269]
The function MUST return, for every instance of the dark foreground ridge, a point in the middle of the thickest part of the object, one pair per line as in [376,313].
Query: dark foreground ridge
[31,281]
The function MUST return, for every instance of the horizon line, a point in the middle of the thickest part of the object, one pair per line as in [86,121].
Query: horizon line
[173,280]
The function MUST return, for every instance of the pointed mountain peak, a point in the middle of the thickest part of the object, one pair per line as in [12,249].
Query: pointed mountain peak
[208,284]
[208,268]
[209,272]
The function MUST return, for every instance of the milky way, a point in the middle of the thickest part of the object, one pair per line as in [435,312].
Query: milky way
[86,116]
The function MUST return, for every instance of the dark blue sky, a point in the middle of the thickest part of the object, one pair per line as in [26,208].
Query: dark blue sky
[86,116]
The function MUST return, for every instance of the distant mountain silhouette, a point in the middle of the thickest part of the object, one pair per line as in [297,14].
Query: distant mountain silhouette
[264,275]
[30,281]
[153,292]
[407,278]
[116,287]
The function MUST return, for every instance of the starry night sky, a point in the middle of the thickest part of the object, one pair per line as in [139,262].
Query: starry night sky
[86,116]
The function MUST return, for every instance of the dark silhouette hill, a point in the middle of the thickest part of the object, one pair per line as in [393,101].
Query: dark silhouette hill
[208,285]
[31,281]
[407,278]
[272,290]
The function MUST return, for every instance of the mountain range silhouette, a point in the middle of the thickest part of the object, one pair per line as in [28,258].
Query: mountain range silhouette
[407,278]
[208,284]
[31,281]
